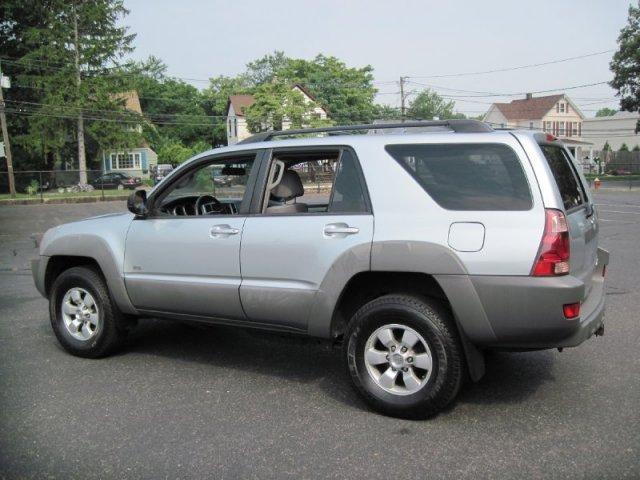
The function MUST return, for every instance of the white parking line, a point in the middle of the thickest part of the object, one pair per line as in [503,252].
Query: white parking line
[619,211]
[622,205]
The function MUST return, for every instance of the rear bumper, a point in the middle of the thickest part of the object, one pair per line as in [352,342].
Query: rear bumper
[526,312]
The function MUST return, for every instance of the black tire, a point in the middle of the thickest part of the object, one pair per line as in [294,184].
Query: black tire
[112,326]
[433,322]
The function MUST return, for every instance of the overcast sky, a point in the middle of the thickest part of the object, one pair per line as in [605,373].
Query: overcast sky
[199,39]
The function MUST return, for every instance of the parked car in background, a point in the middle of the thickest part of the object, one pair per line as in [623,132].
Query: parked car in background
[117,180]
[483,240]
[161,171]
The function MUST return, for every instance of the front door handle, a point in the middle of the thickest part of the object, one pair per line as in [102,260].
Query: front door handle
[339,230]
[223,230]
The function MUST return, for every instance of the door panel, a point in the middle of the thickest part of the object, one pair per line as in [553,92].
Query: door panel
[285,258]
[185,265]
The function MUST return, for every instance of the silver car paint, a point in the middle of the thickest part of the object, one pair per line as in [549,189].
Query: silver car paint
[285,259]
[101,238]
[411,234]
[179,265]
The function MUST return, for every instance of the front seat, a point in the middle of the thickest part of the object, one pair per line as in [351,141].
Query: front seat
[290,187]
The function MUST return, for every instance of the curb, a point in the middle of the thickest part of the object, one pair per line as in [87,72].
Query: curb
[53,201]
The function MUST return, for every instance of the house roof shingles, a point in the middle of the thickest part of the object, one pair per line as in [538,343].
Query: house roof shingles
[240,102]
[528,109]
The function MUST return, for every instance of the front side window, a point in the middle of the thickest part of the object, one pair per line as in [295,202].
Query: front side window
[215,188]
[467,176]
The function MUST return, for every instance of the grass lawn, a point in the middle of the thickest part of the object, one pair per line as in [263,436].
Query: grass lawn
[614,178]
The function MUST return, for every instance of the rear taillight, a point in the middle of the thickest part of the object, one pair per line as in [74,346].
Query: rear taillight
[553,257]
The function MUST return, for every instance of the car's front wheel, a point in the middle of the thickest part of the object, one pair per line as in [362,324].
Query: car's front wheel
[84,319]
[404,355]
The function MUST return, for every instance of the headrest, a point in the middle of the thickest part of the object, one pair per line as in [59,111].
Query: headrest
[289,187]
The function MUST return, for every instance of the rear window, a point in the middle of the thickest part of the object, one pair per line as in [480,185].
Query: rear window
[467,176]
[570,189]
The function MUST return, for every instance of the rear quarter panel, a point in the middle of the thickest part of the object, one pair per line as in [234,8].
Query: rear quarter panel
[405,213]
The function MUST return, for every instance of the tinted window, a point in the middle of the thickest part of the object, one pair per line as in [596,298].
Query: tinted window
[568,184]
[467,177]
[348,194]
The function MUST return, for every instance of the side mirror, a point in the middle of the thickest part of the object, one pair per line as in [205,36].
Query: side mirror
[137,203]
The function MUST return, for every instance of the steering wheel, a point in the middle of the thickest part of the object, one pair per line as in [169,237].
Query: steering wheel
[206,204]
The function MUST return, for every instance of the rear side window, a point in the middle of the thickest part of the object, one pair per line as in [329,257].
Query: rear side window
[348,193]
[467,176]
[570,189]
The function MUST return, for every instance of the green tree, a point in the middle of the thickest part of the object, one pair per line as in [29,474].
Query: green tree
[73,59]
[17,17]
[606,112]
[175,108]
[428,104]
[346,92]
[606,146]
[171,150]
[636,148]
[626,64]
[276,103]
[624,148]
[267,68]
[388,113]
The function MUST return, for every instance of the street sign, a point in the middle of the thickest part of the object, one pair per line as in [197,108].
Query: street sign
[2,154]
[5,82]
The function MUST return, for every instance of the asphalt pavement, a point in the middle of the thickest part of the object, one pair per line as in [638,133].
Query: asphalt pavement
[181,401]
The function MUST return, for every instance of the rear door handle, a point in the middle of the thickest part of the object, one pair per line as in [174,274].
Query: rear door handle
[339,229]
[223,230]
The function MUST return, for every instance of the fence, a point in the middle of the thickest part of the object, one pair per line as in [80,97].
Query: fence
[45,184]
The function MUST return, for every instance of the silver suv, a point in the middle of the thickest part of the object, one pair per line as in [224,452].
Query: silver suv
[419,251]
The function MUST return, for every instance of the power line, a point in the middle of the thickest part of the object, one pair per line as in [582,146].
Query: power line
[509,69]
[516,94]
[61,66]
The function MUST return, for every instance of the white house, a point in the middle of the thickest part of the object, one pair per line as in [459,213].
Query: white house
[237,128]
[616,129]
[555,114]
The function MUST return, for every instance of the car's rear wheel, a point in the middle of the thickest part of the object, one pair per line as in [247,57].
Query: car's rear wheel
[404,355]
[83,316]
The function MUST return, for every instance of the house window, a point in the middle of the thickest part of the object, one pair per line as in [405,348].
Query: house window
[561,105]
[530,125]
[235,127]
[575,129]
[561,128]
[130,161]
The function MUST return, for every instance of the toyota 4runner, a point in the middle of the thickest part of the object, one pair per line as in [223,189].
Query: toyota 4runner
[419,251]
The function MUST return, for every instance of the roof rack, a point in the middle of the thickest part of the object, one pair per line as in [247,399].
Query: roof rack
[458,126]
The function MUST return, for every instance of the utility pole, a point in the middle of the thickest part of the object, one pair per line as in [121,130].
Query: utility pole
[402,99]
[82,157]
[5,139]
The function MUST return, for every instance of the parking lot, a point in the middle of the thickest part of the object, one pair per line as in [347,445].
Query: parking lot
[183,401]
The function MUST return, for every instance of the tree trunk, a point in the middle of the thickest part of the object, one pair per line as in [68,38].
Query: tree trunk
[82,158]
